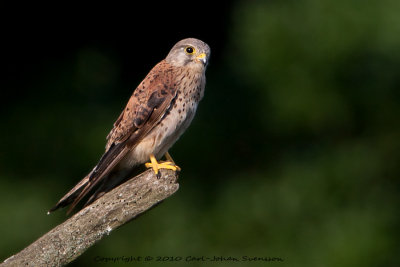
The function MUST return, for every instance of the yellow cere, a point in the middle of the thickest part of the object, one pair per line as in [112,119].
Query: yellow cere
[202,55]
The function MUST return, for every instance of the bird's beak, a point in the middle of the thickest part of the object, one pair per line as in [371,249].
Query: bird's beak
[202,57]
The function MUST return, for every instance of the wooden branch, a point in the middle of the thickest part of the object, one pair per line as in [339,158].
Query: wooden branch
[70,239]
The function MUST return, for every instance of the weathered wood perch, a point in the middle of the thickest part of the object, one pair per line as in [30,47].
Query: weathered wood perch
[70,239]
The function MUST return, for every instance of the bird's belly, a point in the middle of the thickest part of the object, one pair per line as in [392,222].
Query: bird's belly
[173,126]
[162,137]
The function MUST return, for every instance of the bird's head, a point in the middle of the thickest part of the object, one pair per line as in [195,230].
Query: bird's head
[189,52]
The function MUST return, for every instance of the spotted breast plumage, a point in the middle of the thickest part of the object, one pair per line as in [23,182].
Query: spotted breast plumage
[159,111]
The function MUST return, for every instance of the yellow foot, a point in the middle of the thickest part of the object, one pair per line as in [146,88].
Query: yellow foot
[169,159]
[161,165]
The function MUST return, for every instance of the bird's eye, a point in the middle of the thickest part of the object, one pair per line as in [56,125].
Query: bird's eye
[190,50]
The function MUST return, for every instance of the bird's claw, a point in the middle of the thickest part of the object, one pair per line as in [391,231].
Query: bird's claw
[161,165]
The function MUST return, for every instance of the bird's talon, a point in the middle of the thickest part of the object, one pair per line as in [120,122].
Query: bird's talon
[161,165]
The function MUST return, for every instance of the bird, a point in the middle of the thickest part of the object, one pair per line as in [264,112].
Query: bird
[159,111]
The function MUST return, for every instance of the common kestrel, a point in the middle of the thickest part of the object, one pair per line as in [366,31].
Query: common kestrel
[158,112]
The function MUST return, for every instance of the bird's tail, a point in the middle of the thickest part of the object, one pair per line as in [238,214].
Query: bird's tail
[71,195]
[86,185]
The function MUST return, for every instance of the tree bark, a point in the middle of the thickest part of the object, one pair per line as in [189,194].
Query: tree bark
[70,239]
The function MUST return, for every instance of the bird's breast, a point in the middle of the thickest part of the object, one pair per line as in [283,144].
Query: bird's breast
[174,124]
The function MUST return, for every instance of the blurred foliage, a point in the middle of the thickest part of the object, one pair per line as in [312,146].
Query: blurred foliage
[294,152]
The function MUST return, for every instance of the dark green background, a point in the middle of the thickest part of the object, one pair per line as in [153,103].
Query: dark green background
[294,152]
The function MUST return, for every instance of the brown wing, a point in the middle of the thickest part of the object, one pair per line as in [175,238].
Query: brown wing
[144,110]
